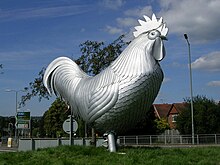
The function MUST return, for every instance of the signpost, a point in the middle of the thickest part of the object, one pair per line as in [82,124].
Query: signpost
[70,128]
[66,126]
[23,120]
[23,123]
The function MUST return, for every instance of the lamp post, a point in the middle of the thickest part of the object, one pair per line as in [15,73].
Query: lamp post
[191,90]
[16,107]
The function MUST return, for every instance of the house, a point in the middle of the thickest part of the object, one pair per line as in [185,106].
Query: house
[169,112]
[174,111]
[161,110]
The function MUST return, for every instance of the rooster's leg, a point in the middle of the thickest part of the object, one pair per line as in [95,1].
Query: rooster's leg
[111,141]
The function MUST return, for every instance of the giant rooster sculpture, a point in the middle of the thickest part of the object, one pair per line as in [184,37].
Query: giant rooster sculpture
[119,96]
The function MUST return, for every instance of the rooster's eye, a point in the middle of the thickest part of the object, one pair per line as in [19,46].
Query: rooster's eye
[153,34]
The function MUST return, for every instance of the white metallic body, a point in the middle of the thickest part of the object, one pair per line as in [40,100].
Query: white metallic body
[118,97]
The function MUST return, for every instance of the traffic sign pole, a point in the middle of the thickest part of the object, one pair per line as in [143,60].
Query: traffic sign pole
[71,130]
[70,126]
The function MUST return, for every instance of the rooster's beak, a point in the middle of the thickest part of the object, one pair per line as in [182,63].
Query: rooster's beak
[163,37]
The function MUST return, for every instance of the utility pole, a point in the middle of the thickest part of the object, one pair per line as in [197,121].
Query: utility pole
[16,107]
[191,90]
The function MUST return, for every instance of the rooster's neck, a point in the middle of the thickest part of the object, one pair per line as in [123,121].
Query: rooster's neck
[135,60]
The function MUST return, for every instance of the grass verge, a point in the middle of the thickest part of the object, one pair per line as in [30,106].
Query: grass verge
[79,155]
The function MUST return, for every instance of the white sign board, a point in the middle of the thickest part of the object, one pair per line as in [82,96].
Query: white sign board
[66,126]
[23,126]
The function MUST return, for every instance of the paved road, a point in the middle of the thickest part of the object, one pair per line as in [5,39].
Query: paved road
[8,149]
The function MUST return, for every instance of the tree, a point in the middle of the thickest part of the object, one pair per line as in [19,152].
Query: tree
[54,118]
[7,126]
[161,125]
[36,88]
[206,117]
[95,57]
[146,126]
[36,123]
[2,126]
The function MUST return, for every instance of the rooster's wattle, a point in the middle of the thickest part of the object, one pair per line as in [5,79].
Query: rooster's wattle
[118,97]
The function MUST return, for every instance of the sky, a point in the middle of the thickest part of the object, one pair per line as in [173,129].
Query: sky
[33,33]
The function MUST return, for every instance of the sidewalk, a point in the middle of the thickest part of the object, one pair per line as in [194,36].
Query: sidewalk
[4,148]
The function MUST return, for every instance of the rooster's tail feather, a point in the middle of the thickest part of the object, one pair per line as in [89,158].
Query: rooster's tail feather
[62,75]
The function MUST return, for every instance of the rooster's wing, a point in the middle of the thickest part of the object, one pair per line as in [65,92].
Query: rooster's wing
[97,95]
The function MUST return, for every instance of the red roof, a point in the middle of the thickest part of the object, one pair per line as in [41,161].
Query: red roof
[162,110]
[180,106]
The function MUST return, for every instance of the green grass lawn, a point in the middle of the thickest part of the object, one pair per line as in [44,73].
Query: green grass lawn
[66,155]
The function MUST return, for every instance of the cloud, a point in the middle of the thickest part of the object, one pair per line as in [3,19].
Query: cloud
[126,22]
[200,19]
[82,30]
[55,11]
[27,59]
[112,4]
[129,21]
[113,30]
[209,62]
[166,79]
[132,15]
[139,12]
[214,83]
[176,64]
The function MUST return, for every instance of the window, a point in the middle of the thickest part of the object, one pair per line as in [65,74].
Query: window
[174,117]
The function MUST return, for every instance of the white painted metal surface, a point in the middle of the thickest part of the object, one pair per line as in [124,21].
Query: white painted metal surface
[118,97]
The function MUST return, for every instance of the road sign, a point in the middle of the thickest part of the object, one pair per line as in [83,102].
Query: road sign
[23,120]
[66,125]
[23,116]
[23,126]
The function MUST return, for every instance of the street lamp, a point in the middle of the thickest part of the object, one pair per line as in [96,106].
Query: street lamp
[16,107]
[191,90]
